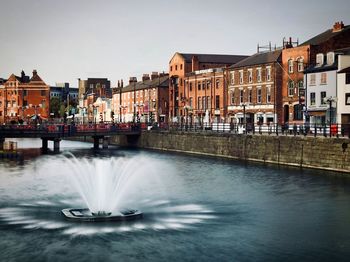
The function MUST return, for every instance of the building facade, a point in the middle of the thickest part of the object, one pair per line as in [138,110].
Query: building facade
[23,99]
[142,101]
[255,89]
[182,64]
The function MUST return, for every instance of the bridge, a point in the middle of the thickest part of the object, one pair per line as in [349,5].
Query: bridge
[57,132]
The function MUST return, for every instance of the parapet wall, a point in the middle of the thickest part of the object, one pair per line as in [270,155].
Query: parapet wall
[320,152]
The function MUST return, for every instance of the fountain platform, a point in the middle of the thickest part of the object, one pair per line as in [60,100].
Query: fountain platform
[85,215]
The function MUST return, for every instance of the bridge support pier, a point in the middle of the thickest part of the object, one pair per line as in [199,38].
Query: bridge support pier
[56,145]
[105,142]
[2,140]
[44,145]
[96,142]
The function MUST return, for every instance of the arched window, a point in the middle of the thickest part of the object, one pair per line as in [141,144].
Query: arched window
[300,65]
[290,66]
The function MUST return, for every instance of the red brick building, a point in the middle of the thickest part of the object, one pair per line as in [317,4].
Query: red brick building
[255,89]
[179,66]
[22,98]
[297,58]
[144,101]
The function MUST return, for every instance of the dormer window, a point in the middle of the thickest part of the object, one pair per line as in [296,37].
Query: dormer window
[330,58]
[319,59]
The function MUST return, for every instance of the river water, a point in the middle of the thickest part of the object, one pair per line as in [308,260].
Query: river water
[195,209]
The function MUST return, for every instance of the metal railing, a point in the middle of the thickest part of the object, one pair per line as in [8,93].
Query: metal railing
[325,130]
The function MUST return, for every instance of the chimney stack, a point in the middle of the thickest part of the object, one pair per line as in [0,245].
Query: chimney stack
[132,79]
[154,75]
[118,84]
[121,83]
[337,27]
[35,73]
[145,77]
[23,75]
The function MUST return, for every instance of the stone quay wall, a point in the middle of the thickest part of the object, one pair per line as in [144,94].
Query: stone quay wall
[320,152]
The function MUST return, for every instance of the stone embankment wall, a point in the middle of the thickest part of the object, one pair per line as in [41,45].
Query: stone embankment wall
[320,152]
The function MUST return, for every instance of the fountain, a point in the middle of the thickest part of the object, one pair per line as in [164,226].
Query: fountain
[101,184]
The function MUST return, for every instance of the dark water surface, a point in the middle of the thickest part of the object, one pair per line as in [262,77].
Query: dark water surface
[195,209]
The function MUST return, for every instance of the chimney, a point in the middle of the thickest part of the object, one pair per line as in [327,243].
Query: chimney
[154,75]
[337,27]
[195,63]
[118,84]
[34,73]
[132,79]
[121,83]
[23,75]
[145,77]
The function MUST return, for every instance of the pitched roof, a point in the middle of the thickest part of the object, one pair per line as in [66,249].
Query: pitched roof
[159,81]
[214,58]
[325,36]
[260,58]
[345,70]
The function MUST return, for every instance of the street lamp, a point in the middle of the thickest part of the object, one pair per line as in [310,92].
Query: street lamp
[330,100]
[244,118]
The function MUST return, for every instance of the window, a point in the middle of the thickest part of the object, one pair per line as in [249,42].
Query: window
[217,102]
[25,93]
[171,68]
[323,96]
[250,75]
[241,96]
[191,101]
[290,88]
[199,85]
[319,59]
[347,99]
[250,95]
[204,102]
[241,77]
[312,79]
[175,67]
[25,103]
[91,86]
[268,74]
[330,58]
[258,95]
[232,95]
[199,103]
[203,85]
[300,84]
[268,94]
[347,78]
[180,66]
[258,75]
[217,83]
[209,102]
[312,98]
[208,84]
[190,86]
[298,112]
[300,65]
[323,78]
[290,66]
[232,78]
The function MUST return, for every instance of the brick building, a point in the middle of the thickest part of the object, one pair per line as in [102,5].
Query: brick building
[255,89]
[179,66]
[205,96]
[295,59]
[24,98]
[144,101]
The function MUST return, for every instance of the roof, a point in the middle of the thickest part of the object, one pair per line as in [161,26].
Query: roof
[260,58]
[325,36]
[345,70]
[157,82]
[214,58]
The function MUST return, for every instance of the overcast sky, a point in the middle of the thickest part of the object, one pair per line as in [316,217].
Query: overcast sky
[69,39]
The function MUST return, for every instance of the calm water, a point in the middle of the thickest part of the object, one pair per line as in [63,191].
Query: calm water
[195,209]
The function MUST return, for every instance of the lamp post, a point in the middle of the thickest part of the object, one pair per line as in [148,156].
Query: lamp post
[330,101]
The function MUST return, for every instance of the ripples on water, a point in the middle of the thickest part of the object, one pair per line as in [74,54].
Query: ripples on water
[195,209]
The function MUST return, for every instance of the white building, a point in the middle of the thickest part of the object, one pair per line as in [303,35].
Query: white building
[322,101]
[343,86]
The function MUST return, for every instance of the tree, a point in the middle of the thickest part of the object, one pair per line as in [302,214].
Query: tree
[55,106]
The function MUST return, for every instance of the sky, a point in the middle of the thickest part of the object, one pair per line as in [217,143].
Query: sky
[70,39]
